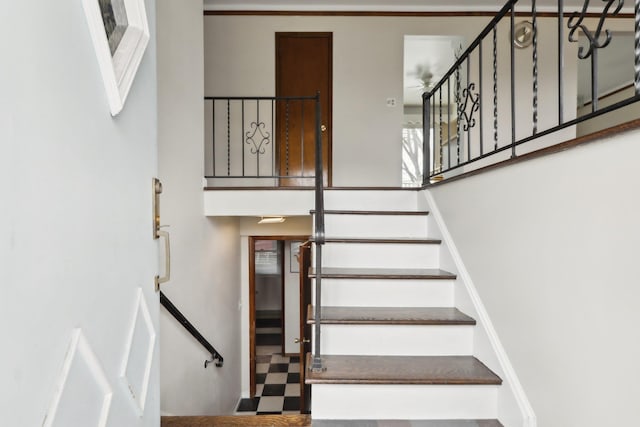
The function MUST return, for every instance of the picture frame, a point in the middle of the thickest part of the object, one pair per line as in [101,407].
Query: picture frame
[294,256]
[120,33]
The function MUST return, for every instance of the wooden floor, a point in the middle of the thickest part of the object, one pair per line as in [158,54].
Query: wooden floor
[442,370]
[391,316]
[232,421]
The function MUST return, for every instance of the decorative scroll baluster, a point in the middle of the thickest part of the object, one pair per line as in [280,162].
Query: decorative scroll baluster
[535,65]
[597,40]
[495,88]
[258,145]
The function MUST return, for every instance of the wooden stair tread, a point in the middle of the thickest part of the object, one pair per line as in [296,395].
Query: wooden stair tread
[390,316]
[431,370]
[366,212]
[383,273]
[408,423]
[398,240]
[237,420]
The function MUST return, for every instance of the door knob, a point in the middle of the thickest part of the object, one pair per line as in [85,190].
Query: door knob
[323,128]
[304,341]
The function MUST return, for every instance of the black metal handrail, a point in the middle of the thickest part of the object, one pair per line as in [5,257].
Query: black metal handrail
[258,138]
[173,310]
[319,236]
[469,143]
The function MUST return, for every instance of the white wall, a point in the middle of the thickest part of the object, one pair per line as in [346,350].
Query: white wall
[205,251]
[367,69]
[551,245]
[75,221]
[291,302]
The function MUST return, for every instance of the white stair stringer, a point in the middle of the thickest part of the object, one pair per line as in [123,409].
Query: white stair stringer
[400,401]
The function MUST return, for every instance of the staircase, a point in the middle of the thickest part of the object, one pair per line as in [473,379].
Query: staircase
[393,343]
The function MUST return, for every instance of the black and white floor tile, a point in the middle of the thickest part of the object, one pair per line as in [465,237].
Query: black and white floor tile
[277,376]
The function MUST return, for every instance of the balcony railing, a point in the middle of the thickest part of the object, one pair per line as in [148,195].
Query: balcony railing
[260,141]
[513,89]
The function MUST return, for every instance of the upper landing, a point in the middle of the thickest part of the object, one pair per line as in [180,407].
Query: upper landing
[258,201]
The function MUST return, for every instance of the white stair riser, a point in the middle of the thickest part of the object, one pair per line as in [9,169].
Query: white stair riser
[397,340]
[380,255]
[436,402]
[338,225]
[387,293]
[371,200]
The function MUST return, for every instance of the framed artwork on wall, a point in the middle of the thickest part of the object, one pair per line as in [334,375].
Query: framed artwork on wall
[120,34]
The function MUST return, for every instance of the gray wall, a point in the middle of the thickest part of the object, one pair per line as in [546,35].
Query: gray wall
[205,251]
[552,247]
[75,221]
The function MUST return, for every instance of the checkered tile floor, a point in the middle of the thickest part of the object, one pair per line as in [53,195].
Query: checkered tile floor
[277,380]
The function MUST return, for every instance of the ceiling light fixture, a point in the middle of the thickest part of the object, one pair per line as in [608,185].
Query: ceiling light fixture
[271,220]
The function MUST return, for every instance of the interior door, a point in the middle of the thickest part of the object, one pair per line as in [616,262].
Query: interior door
[303,68]
[305,329]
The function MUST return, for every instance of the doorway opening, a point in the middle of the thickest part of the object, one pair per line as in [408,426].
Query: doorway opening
[275,320]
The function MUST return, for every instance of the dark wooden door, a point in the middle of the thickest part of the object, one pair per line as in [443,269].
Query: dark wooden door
[305,330]
[303,68]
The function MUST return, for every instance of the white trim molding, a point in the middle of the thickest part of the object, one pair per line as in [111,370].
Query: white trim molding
[510,379]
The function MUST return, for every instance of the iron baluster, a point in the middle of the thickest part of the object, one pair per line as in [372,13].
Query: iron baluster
[637,47]
[241,132]
[480,91]
[213,134]
[495,88]
[440,129]
[433,126]
[426,138]
[449,122]
[459,118]
[513,80]
[273,146]
[228,137]
[286,137]
[597,40]
[560,59]
[535,65]
[302,137]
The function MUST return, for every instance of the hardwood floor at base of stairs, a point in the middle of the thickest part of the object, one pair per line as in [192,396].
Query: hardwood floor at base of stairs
[238,420]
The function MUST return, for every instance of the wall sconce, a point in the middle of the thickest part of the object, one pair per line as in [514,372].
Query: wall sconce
[271,220]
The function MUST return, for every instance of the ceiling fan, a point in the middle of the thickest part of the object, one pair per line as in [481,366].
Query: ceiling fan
[425,75]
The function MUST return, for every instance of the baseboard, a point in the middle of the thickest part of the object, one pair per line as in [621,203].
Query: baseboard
[483,321]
